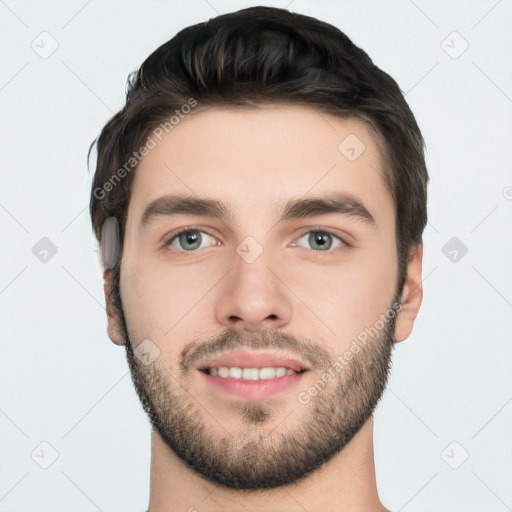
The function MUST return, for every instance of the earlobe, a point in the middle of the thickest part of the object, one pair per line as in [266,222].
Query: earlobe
[114,327]
[412,294]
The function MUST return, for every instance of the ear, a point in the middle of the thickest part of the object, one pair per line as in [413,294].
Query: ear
[114,327]
[412,294]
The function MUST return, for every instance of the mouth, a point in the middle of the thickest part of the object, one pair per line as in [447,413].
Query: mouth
[235,372]
[247,365]
[253,375]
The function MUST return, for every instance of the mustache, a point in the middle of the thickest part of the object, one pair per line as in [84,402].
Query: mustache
[199,349]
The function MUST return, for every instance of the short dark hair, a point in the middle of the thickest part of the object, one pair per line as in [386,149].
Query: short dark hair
[260,56]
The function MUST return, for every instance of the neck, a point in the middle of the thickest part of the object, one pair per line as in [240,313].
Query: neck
[346,483]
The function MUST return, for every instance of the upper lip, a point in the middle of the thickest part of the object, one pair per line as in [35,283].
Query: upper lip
[247,359]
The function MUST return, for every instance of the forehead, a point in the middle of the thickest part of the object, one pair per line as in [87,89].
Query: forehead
[259,157]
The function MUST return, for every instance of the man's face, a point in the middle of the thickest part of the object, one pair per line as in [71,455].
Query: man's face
[301,288]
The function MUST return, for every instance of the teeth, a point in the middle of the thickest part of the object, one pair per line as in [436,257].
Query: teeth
[223,372]
[250,373]
[281,372]
[235,372]
[266,373]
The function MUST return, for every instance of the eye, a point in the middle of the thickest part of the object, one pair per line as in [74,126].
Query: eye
[322,241]
[190,239]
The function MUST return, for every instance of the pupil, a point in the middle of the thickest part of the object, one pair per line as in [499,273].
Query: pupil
[190,237]
[319,238]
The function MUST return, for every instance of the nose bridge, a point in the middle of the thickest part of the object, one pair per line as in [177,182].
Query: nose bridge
[253,297]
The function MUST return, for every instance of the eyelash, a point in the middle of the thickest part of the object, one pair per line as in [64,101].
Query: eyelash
[313,229]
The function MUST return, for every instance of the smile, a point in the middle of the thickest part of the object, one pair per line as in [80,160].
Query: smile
[265,373]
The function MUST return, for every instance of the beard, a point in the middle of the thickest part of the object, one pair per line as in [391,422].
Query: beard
[264,451]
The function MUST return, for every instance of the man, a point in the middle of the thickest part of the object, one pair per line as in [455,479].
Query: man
[260,202]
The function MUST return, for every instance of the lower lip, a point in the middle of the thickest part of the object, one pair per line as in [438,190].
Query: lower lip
[254,389]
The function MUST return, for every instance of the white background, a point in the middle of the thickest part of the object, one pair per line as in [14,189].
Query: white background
[63,382]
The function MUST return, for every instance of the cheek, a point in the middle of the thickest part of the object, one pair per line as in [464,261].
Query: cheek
[348,297]
[160,299]
[373,282]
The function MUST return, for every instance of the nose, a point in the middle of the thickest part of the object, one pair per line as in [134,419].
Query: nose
[254,297]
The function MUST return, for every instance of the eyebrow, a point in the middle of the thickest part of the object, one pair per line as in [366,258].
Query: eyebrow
[310,206]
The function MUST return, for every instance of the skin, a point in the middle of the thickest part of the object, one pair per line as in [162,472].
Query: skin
[292,296]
